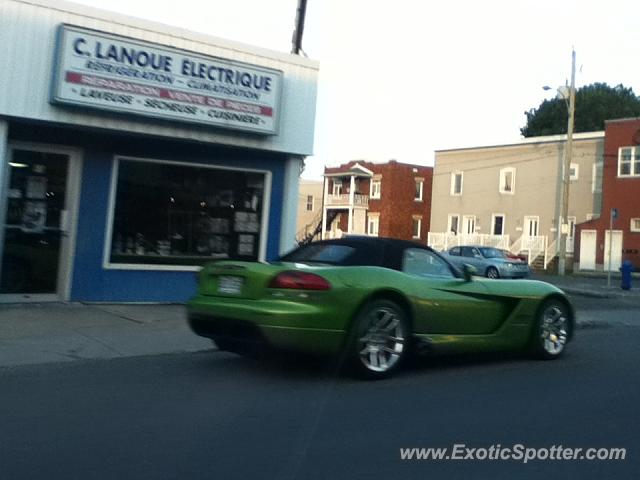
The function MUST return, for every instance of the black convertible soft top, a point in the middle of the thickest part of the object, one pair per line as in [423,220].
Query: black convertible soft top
[354,251]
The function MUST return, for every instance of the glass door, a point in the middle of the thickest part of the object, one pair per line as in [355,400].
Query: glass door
[469,224]
[531,226]
[36,223]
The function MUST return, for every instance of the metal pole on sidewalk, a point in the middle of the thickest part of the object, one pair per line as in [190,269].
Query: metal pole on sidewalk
[610,242]
[566,170]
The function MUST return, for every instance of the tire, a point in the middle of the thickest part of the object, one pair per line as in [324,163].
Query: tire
[551,331]
[492,272]
[378,341]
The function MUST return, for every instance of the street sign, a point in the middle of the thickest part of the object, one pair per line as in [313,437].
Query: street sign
[614,213]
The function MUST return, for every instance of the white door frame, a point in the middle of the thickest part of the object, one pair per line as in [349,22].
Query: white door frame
[528,220]
[493,223]
[588,252]
[68,225]
[616,253]
[468,221]
[571,235]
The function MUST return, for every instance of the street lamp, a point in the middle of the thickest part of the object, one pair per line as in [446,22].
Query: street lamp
[566,168]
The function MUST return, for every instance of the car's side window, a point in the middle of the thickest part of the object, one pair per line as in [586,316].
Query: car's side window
[476,253]
[455,251]
[467,251]
[418,261]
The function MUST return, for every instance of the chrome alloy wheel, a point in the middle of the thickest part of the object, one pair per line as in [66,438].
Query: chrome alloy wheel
[383,342]
[553,330]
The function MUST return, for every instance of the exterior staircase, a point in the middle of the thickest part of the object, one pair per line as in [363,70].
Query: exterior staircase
[310,236]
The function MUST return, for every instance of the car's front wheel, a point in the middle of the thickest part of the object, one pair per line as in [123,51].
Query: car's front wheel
[552,330]
[379,339]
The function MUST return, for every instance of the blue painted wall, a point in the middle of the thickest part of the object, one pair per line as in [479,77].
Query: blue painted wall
[91,282]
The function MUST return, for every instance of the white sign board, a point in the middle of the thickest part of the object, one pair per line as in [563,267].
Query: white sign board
[110,72]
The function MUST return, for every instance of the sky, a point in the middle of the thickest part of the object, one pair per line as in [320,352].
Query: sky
[400,79]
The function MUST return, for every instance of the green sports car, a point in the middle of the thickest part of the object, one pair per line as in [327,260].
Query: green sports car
[373,301]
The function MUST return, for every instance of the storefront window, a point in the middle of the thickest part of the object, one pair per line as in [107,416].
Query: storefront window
[172,214]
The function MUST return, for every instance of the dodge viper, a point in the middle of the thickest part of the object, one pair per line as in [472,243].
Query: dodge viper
[372,302]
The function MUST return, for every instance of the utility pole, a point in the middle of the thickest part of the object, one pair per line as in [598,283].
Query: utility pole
[566,170]
[296,41]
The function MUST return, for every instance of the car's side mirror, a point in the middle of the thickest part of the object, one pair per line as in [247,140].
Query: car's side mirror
[468,271]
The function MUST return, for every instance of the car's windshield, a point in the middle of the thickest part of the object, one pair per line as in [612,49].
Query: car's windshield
[490,252]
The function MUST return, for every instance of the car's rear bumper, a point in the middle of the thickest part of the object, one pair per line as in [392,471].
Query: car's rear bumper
[282,325]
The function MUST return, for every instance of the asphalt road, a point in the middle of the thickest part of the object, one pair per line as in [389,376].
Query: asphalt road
[216,415]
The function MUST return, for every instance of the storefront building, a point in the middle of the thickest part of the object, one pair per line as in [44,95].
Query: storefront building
[132,153]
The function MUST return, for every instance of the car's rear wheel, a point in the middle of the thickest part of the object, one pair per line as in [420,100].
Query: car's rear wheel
[379,339]
[492,272]
[552,330]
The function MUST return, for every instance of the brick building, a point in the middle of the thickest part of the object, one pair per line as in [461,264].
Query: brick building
[389,199]
[620,191]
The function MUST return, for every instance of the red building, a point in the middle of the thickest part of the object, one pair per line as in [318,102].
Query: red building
[620,195]
[390,199]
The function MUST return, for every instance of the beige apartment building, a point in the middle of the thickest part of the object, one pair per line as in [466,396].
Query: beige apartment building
[509,196]
[309,223]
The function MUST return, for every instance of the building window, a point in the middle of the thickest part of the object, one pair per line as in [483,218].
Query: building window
[507,180]
[309,203]
[497,224]
[418,192]
[417,226]
[453,223]
[573,171]
[456,183]
[596,178]
[629,161]
[375,188]
[337,187]
[169,214]
[373,224]
[635,225]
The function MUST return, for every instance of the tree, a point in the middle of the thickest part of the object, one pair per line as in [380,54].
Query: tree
[595,103]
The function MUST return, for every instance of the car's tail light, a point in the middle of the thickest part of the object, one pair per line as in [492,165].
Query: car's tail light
[299,281]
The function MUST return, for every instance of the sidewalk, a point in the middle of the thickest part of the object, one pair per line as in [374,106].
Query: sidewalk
[592,285]
[58,332]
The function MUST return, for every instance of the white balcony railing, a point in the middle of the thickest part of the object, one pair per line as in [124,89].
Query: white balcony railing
[534,246]
[445,240]
[550,253]
[345,199]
